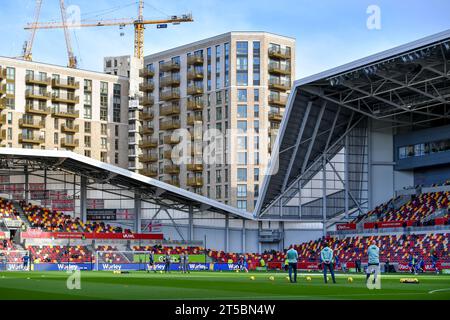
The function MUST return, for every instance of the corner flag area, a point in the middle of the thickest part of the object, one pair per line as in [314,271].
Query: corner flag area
[208,285]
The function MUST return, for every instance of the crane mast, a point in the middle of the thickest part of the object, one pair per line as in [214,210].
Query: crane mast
[28,47]
[72,58]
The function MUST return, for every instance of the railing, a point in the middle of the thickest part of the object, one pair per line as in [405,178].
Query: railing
[32,78]
[170,125]
[280,53]
[195,60]
[65,83]
[169,110]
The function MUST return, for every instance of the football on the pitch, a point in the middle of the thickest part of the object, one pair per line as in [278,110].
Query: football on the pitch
[271,278]
[288,279]
[308,279]
[161,272]
[252,278]
[350,279]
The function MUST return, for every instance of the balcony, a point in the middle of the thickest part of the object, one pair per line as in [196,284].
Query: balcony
[146,73]
[71,114]
[37,95]
[148,144]
[170,66]
[169,81]
[172,169]
[195,75]
[173,181]
[65,84]
[25,123]
[65,98]
[170,125]
[146,86]
[69,143]
[279,53]
[171,140]
[169,95]
[279,85]
[148,158]
[3,137]
[3,120]
[275,116]
[2,73]
[195,182]
[167,154]
[147,101]
[38,110]
[2,103]
[70,129]
[169,110]
[37,79]
[194,90]
[193,119]
[146,116]
[147,130]
[2,89]
[195,167]
[149,172]
[31,139]
[279,69]
[278,100]
[195,60]
[195,105]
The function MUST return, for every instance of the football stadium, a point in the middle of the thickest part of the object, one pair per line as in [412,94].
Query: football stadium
[357,186]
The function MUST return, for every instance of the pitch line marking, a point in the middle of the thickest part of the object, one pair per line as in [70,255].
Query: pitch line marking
[439,290]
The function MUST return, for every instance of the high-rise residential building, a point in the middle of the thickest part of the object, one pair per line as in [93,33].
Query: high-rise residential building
[51,107]
[236,83]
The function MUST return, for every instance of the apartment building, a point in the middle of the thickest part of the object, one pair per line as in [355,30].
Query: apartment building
[57,108]
[237,81]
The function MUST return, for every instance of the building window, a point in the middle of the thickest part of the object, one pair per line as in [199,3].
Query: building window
[242,143]
[87,141]
[104,142]
[87,114]
[256,174]
[242,158]
[10,73]
[242,95]
[87,153]
[256,63]
[242,174]
[227,64]
[87,85]
[256,95]
[241,191]
[242,204]
[87,127]
[103,156]
[242,111]
[242,63]
[218,192]
[104,129]
[242,126]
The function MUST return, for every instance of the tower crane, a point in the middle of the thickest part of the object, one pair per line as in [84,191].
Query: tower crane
[139,27]
[28,46]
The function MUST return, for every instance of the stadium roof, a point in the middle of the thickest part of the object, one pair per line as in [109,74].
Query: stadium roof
[406,86]
[94,169]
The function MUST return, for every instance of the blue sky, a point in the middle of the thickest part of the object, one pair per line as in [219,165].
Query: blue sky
[328,32]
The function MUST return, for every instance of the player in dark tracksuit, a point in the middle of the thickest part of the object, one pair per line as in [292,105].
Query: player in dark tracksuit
[167,263]
[185,263]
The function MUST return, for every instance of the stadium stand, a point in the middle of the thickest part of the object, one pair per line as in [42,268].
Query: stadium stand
[60,254]
[7,210]
[49,220]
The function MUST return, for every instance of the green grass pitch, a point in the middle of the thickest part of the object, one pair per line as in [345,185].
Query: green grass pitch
[221,285]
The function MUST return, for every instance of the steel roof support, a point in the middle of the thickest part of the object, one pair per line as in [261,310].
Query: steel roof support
[314,135]
[297,144]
